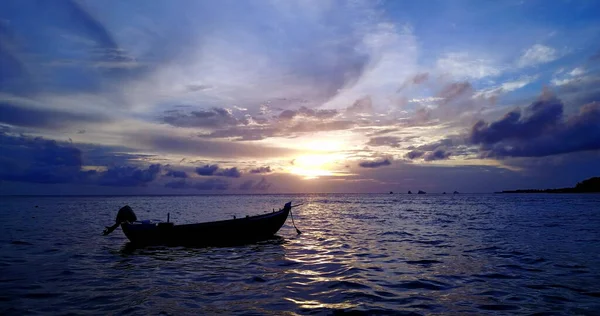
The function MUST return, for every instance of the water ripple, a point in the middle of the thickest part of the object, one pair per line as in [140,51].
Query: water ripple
[358,255]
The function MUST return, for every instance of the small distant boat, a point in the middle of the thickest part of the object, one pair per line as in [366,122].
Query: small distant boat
[409,192]
[421,192]
[225,232]
[455,192]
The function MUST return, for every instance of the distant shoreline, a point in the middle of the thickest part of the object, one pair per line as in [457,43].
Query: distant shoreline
[591,185]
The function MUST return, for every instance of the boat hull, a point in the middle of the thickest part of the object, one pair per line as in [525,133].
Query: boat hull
[228,232]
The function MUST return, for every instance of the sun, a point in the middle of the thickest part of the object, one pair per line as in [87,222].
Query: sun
[313,166]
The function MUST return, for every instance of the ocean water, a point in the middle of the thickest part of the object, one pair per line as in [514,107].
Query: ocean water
[373,254]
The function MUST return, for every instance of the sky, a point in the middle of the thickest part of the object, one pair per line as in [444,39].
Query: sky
[201,97]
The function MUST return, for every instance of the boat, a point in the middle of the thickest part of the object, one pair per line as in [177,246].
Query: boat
[219,233]
[421,192]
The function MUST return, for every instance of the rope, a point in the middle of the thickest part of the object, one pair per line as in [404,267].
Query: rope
[292,215]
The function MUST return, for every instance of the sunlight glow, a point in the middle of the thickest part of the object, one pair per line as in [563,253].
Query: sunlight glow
[314,166]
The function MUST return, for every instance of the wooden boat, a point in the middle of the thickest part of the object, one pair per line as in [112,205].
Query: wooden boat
[225,232]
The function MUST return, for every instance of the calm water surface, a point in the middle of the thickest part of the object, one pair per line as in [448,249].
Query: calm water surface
[377,254]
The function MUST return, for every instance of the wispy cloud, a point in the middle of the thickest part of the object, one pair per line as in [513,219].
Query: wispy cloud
[537,54]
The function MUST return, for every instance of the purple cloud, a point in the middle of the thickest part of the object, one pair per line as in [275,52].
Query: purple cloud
[543,131]
[215,117]
[266,169]
[391,141]
[375,163]
[176,174]
[214,170]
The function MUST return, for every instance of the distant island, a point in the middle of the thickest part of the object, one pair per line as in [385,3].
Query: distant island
[591,185]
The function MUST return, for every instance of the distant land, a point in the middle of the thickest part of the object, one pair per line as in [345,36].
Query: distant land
[591,185]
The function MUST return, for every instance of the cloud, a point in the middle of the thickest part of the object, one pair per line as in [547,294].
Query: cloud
[19,115]
[229,172]
[38,160]
[375,163]
[415,80]
[266,169]
[453,91]
[537,54]
[464,66]
[391,141]
[540,116]
[206,185]
[273,129]
[128,176]
[577,72]
[438,154]
[197,146]
[215,117]
[543,130]
[308,113]
[505,87]
[214,170]
[414,154]
[261,185]
[176,174]
[362,105]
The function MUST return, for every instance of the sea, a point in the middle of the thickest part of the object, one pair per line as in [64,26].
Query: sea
[358,254]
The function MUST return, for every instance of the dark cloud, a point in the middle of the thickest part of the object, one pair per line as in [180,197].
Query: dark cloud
[438,154]
[544,130]
[206,185]
[540,116]
[266,169]
[375,163]
[414,154]
[207,170]
[38,160]
[128,176]
[66,35]
[391,141]
[438,150]
[420,78]
[176,174]
[229,172]
[581,90]
[14,76]
[415,80]
[362,105]
[261,185]
[212,118]
[455,91]
[198,87]
[214,170]
[308,113]
[44,118]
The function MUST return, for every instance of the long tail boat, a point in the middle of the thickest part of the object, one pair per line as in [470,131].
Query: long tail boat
[226,232]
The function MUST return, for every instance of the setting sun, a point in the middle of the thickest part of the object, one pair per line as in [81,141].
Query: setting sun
[314,166]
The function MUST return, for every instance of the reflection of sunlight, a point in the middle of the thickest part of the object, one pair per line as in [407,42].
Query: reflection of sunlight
[309,304]
[314,166]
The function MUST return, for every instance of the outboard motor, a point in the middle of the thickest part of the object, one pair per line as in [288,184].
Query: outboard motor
[125,214]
